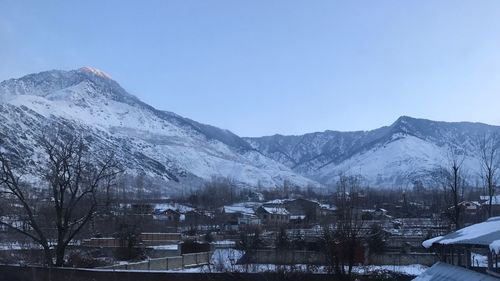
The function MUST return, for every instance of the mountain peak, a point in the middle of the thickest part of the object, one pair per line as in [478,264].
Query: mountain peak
[95,71]
[405,118]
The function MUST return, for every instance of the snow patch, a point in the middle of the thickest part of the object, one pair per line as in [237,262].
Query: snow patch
[95,71]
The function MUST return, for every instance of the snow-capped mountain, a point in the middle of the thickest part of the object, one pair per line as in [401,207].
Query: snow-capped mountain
[392,156]
[184,153]
[161,144]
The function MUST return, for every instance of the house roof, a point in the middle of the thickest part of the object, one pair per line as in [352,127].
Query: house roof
[484,233]
[328,207]
[174,206]
[275,210]
[447,272]
[171,211]
[276,202]
[238,209]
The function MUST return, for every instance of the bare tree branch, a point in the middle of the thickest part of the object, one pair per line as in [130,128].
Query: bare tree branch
[75,176]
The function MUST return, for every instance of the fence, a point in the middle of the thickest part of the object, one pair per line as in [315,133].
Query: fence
[166,263]
[25,273]
[149,239]
[101,242]
[403,259]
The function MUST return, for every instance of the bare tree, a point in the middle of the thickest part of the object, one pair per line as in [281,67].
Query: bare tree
[76,179]
[342,241]
[488,146]
[452,178]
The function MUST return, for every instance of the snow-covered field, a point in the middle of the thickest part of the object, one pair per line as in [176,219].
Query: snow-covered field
[226,260]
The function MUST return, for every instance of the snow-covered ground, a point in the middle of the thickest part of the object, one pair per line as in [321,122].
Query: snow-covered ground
[166,247]
[479,260]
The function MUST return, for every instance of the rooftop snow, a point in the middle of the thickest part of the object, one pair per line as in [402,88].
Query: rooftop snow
[495,246]
[447,272]
[483,233]
[173,206]
[276,211]
[238,209]
[166,247]
[277,201]
[328,207]
[428,243]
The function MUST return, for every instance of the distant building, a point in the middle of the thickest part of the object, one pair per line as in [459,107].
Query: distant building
[196,218]
[142,208]
[495,204]
[273,215]
[240,214]
[172,215]
[303,209]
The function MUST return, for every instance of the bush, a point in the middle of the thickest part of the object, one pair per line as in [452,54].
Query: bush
[130,244]
[209,237]
[376,239]
[84,260]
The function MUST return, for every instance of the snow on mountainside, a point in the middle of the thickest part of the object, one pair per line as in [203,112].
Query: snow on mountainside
[391,156]
[162,144]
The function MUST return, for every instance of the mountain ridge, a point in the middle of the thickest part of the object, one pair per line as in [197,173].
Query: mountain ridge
[178,149]
[160,143]
[322,155]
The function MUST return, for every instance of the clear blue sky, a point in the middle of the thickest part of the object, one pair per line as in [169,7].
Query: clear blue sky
[265,67]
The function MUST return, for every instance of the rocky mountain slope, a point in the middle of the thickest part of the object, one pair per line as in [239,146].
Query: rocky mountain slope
[179,151]
[393,156]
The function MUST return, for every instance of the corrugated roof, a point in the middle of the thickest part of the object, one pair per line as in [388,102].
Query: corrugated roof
[276,211]
[447,272]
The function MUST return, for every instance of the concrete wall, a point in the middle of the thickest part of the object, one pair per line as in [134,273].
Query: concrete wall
[284,257]
[166,263]
[149,239]
[101,242]
[152,236]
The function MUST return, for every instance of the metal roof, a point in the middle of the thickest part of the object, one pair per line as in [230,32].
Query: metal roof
[447,272]
[483,233]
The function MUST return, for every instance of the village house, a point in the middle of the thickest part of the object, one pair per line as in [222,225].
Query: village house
[170,215]
[240,214]
[198,218]
[464,251]
[302,210]
[273,215]
[495,204]
[470,211]
[327,210]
